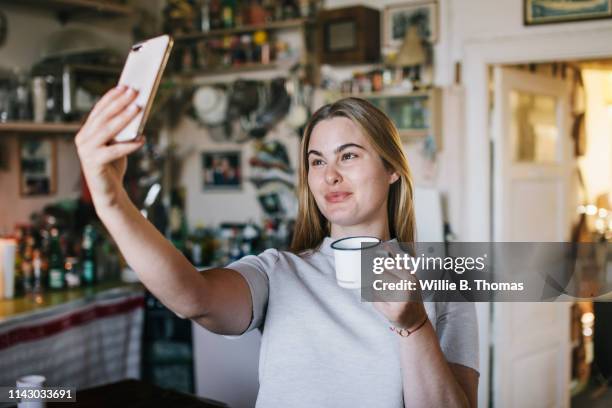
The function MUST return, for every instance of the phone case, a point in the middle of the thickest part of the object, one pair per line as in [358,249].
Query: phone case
[143,70]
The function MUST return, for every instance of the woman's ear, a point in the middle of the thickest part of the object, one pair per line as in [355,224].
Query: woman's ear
[393,177]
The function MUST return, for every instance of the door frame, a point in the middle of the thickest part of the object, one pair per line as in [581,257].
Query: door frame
[477,199]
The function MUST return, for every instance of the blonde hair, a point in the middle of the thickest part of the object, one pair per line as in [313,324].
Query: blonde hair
[311,226]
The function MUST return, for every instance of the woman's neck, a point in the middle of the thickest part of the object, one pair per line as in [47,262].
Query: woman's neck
[378,229]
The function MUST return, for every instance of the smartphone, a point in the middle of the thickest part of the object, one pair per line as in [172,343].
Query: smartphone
[142,71]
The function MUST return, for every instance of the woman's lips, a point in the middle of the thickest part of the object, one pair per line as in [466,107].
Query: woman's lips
[337,197]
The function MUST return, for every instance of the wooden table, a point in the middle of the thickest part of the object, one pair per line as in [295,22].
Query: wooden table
[135,394]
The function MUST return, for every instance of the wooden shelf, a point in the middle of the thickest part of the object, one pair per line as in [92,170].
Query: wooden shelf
[227,70]
[67,9]
[274,25]
[391,94]
[37,128]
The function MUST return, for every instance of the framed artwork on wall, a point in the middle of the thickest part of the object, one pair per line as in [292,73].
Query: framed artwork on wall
[560,11]
[37,167]
[222,170]
[398,18]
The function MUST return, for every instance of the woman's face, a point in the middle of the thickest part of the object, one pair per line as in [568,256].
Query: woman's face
[346,176]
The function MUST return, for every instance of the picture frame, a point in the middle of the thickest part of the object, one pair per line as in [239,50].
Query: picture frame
[398,17]
[37,167]
[222,170]
[537,12]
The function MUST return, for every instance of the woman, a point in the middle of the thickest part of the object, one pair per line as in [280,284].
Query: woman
[321,345]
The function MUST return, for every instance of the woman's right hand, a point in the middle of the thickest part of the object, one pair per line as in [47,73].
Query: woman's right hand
[104,161]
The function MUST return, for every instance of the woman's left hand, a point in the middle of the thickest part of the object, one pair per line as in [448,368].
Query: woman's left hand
[409,311]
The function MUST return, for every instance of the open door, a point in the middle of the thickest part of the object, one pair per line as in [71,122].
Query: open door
[532,165]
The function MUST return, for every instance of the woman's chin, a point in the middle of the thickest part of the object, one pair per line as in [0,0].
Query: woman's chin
[342,218]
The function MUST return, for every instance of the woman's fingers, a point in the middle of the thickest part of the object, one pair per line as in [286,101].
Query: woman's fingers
[117,105]
[96,127]
[113,108]
[115,151]
[107,99]
[112,127]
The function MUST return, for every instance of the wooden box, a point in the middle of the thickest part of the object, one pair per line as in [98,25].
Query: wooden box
[349,35]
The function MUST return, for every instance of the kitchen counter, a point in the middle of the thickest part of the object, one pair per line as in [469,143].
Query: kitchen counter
[12,310]
[75,338]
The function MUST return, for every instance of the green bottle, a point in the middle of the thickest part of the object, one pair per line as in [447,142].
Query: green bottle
[88,260]
[56,262]
[228,10]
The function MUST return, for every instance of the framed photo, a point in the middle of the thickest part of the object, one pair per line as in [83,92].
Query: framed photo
[561,11]
[222,170]
[37,167]
[398,17]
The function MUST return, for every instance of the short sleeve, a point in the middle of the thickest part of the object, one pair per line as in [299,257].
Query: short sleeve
[255,270]
[457,330]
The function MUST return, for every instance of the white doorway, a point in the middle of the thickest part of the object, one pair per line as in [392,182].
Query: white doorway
[479,212]
[532,164]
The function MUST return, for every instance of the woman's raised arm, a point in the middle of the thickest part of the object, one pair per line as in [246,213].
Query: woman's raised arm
[219,299]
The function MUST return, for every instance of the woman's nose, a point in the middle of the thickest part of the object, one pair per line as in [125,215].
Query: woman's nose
[332,176]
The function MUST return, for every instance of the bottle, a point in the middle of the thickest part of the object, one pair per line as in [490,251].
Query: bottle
[205,16]
[56,264]
[214,12]
[235,252]
[88,260]
[178,222]
[27,266]
[71,272]
[38,271]
[228,10]
[290,10]
[23,97]
[44,248]
[18,281]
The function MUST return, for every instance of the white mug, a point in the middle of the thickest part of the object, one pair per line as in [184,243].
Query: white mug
[347,259]
[8,247]
[31,381]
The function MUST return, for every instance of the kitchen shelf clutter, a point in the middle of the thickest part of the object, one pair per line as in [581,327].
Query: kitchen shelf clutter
[222,38]
[273,25]
[72,9]
[241,50]
[416,114]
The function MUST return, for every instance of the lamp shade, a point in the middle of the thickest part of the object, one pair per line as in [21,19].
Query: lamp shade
[412,51]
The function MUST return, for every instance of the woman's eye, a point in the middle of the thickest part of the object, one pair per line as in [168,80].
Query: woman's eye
[347,156]
[316,162]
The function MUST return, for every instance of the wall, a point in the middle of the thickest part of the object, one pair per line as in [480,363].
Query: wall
[443,174]
[210,208]
[24,47]
[485,20]
[28,31]
[16,209]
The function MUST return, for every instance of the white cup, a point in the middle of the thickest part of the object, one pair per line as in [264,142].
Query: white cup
[347,259]
[8,247]
[31,381]
[39,99]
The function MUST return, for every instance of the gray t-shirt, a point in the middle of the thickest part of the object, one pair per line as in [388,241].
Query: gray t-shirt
[322,346]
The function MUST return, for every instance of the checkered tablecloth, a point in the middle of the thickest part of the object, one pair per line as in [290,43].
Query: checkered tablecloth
[81,344]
